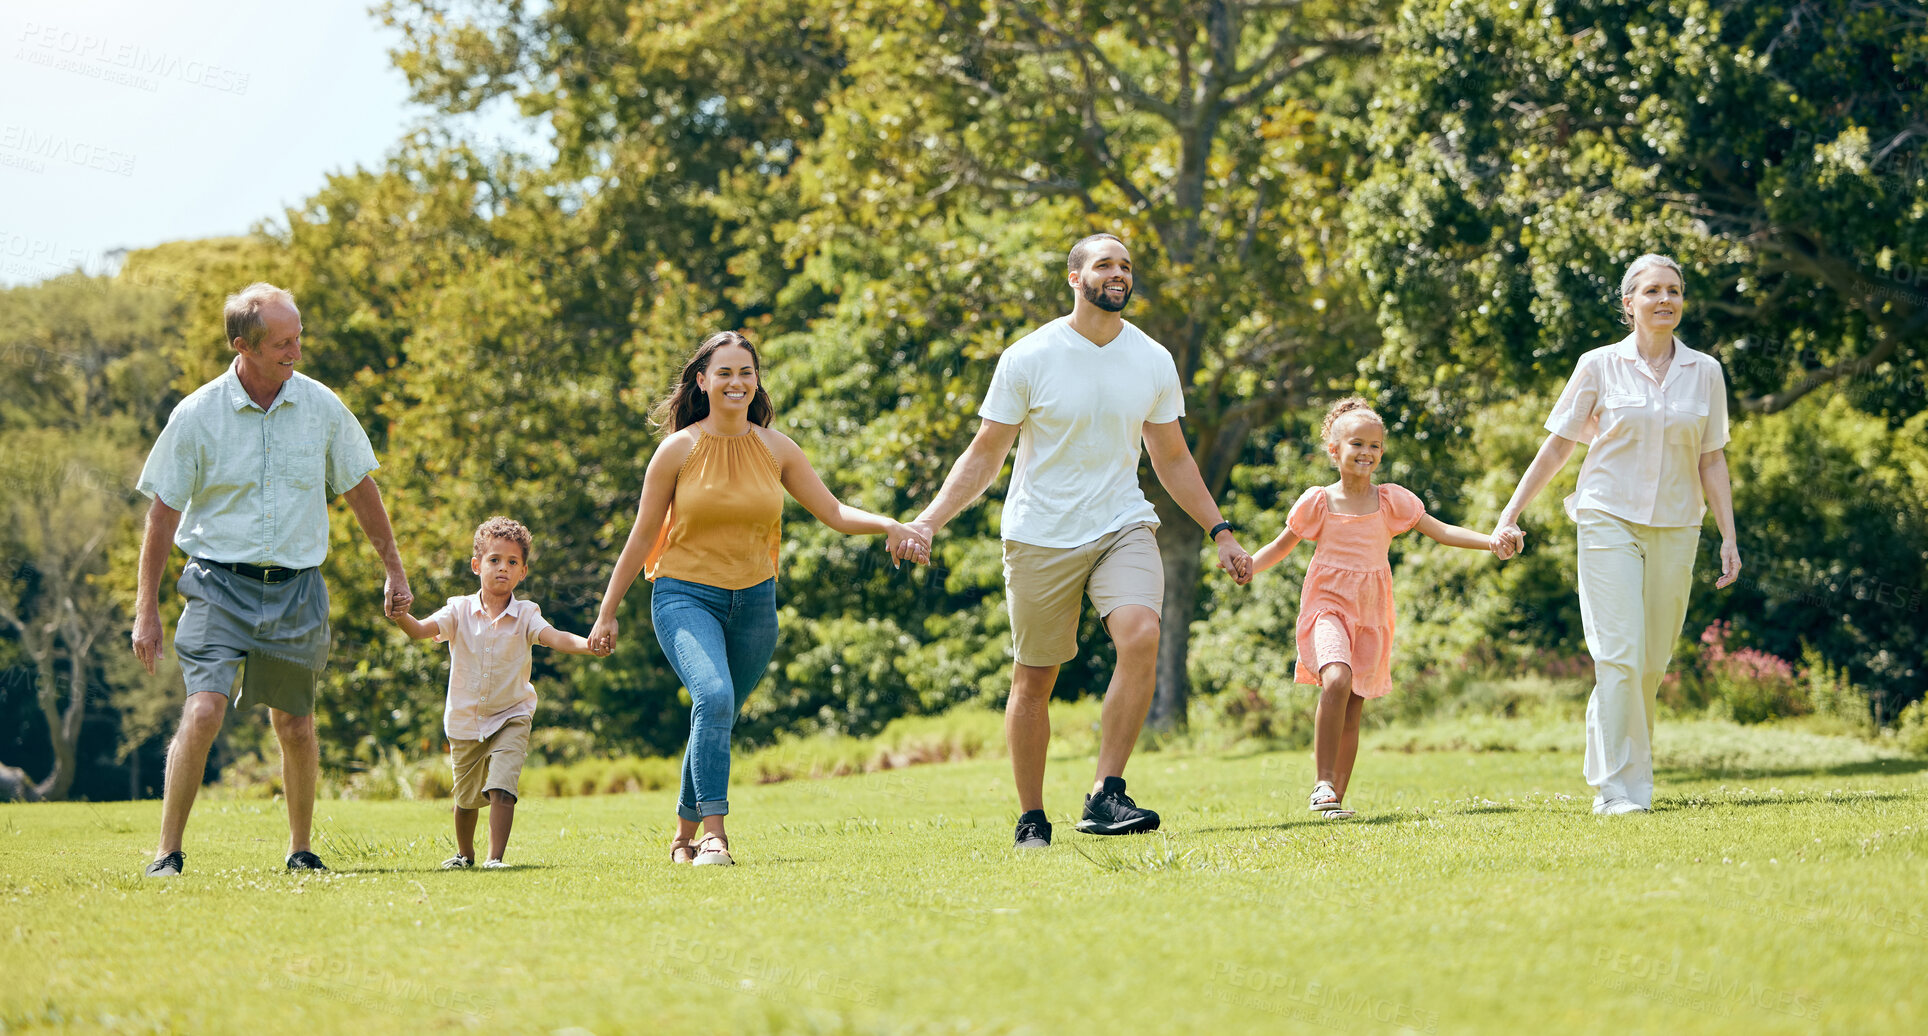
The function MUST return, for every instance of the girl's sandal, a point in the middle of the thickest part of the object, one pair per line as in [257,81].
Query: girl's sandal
[713,851]
[681,851]
[1340,813]
[1324,798]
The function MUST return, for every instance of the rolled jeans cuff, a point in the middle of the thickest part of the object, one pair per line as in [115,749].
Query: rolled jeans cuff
[718,807]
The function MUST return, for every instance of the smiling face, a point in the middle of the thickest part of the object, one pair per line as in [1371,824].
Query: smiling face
[273,360]
[1105,280]
[1358,444]
[730,380]
[501,566]
[1657,299]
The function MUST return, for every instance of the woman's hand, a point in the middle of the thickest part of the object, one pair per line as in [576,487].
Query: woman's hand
[1507,537]
[905,544]
[602,638]
[1730,564]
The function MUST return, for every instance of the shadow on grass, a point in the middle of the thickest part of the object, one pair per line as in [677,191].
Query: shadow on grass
[465,874]
[1797,799]
[1866,768]
[1377,818]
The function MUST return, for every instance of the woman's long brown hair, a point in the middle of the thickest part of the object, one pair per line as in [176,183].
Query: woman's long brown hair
[686,404]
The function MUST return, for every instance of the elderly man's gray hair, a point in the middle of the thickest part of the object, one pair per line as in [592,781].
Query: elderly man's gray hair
[243,311]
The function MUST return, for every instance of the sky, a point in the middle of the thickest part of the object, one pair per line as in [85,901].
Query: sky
[125,124]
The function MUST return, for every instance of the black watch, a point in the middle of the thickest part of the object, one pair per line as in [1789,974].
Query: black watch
[1216,529]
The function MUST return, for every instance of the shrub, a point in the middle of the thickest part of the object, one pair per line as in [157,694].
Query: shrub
[1911,727]
[1749,686]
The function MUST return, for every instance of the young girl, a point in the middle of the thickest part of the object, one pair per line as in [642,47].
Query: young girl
[1345,613]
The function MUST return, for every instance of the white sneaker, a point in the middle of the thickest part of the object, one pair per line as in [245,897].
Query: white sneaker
[1621,807]
[495,865]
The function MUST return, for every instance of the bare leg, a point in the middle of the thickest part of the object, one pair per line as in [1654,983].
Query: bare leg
[465,832]
[300,770]
[1349,745]
[1328,727]
[1134,631]
[1027,729]
[187,763]
[501,819]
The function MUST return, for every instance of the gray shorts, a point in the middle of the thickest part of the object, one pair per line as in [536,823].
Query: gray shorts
[274,634]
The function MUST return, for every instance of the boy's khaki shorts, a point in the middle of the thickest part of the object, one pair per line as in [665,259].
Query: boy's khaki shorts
[493,762]
[1044,587]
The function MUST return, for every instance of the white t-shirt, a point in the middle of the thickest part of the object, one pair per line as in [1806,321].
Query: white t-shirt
[1081,411]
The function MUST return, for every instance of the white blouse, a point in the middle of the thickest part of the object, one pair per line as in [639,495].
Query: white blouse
[1644,435]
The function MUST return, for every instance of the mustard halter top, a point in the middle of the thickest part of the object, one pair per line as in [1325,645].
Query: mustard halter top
[725,521]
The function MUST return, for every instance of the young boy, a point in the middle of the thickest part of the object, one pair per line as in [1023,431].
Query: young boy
[491,700]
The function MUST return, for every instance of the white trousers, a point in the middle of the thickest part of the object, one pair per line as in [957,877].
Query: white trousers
[1634,581]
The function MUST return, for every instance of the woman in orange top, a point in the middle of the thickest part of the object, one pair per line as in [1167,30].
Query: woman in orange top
[707,534]
[1345,611]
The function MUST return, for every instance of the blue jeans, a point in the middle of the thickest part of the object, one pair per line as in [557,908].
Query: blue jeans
[719,642]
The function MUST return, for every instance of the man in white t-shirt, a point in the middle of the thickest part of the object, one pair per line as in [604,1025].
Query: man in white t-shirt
[1078,396]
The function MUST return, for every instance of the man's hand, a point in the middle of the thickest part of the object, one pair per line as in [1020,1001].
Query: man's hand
[907,544]
[147,636]
[602,637]
[396,598]
[1233,558]
[916,543]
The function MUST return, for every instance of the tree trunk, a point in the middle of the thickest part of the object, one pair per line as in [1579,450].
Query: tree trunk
[1178,546]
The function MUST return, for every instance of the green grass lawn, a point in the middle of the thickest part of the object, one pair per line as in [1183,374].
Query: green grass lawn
[1474,893]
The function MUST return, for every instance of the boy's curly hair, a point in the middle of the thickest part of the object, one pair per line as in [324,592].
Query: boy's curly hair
[500,528]
[1348,405]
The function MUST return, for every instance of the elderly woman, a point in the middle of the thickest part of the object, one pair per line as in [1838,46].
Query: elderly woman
[1654,415]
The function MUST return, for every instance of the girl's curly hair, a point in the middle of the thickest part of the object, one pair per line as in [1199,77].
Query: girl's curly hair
[1348,405]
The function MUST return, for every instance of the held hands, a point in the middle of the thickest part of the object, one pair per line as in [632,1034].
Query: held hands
[396,598]
[1232,558]
[602,638]
[1507,540]
[1730,564]
[908,542]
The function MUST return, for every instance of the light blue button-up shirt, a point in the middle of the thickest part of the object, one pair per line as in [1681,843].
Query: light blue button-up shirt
[252,485]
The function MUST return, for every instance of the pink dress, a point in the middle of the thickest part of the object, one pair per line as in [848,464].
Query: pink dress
[1345,610]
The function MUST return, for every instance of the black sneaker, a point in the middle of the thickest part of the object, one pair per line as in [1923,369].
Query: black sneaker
[1034,831]
[168,866]
[1111,812]
[305,861]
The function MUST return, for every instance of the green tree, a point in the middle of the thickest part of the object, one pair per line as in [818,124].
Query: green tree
[1524,152]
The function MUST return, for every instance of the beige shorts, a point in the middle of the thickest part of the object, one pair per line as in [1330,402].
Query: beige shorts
[1045,585]
[493,762]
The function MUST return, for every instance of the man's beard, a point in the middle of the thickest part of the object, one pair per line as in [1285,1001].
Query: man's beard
[1097,297]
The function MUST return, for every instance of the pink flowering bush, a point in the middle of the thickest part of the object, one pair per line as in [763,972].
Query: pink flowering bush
[1750,686]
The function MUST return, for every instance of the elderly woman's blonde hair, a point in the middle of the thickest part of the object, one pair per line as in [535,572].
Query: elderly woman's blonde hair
[242,313]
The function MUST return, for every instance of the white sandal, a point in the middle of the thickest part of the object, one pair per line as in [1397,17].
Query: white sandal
[1324,798]
[713,851]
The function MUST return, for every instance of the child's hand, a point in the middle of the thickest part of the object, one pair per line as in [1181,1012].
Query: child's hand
[1501,546]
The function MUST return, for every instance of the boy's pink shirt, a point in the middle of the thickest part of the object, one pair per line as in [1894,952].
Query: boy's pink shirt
[489,662]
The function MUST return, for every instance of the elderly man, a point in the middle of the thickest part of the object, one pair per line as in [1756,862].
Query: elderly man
[240,479]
